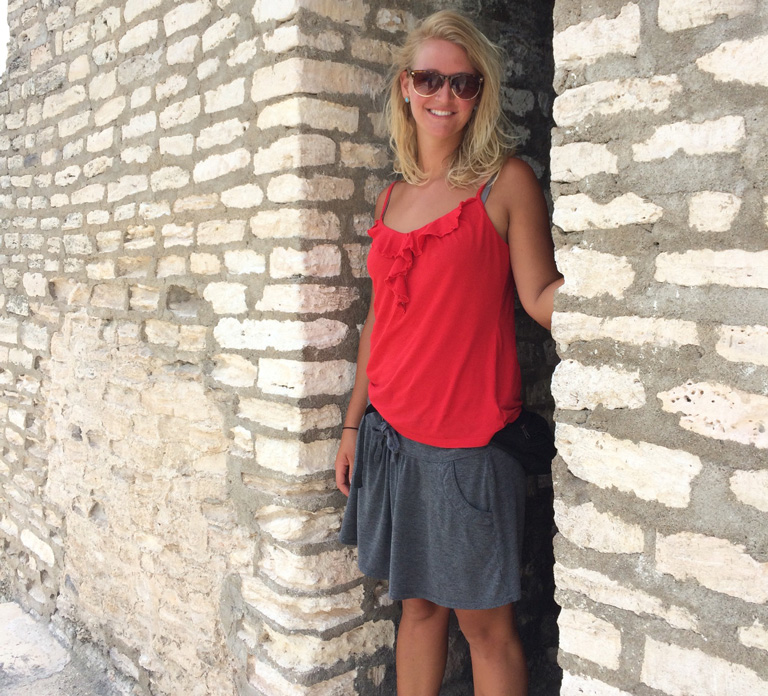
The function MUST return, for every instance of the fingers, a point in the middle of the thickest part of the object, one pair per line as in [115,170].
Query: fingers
[343,470]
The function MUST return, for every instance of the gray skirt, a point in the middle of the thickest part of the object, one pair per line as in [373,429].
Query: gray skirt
[440,524]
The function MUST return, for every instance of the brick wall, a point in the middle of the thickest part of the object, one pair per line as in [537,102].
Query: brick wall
[660,207]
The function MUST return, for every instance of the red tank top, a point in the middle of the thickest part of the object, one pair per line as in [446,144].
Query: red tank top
[443,366]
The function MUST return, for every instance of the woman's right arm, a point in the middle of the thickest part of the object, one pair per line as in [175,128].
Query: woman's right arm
[345,458]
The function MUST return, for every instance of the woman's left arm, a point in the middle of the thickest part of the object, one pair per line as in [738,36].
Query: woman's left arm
[531,250]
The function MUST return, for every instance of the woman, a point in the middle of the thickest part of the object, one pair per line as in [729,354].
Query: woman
[433,507]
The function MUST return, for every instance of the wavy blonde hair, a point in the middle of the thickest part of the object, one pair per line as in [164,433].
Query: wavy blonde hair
[487,141]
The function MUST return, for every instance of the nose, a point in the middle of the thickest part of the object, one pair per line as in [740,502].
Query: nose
[445,90]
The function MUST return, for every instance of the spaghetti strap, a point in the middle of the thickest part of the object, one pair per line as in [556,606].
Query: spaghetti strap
[486,190]
[386,200]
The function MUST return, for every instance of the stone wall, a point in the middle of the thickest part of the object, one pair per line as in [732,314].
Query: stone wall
[660,212]
[185,189]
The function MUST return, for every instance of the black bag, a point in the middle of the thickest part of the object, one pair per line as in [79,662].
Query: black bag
[529,440]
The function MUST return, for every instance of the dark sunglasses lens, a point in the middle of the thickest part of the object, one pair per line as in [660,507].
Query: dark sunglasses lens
[426,83]
[465,86]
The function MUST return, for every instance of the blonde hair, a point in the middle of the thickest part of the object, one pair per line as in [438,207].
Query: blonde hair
[486,142]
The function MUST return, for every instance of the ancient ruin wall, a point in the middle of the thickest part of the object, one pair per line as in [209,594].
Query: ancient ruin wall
[661,212]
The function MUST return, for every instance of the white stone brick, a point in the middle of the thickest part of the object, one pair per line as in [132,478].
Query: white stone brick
[363,155]
[323,571]
[587,42]
[89,194]
[37,546]
[244,196]
[185,15]
[281,416]
[140,155]
[295,151]
[109,111]
[208,68]
[717,564]
[682,671]
[570,327]
[204,264]
[305,111]
[713,211]
[226,96]
[220,31]
[226,298]
[181,112]
[133,8]
[751,488]
[578,212]
[171,266]
[754,636]
[244,262]
[221,133]
[585,526]
[220,231]
[262,334]
[591,273]
[128,185]
[292,222]
[577,685]
[169,178]
[739,61]
[103,85]
[610,97]
[733,267]
[177,145]
[603,590]
[643,469]
[293,457]
[349,11]
[322,261]
[9,330]
[306,298]
[720,412]
[576,387]
[137,36]
[372,50]
[286,38]
[234,370]
[183,51]
[395,20]
[140,125]
[747,344]
[263,677]
[221,165]
[300,379]
[56,104]
[313,77]
[575,161]
[589,637]
[289,188]
[675,15]
[709,137]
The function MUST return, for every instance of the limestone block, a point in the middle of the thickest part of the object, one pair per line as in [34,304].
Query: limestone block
[137,36]
[303,75]
[611,97]
[747,344]
[717,564]
[226,298]
[590,638]
[234,370]
[676,15]
[75,37]
[261,334]
[603,590]
[127,185]
[35,338]
[178,235]
[295,458]
[199,202]
[754,636]
[144,299]
[220,31]
[587,42]
[37,546]
[713,211]
[305,111]
[105,53]
[169,178]
[101,270]
[395,20]
[584,526]
[244,262]
[69,126]
[154,210]
[322,261]
[738,61]
[267,680]
[35,284]
[290,612]
[103,85]
[720,412]
[171,266]
[591,273]
[139,154]
[575,161]
[9,330]
[181,112]
[648,471]
[133,8]
[348,11]
[67,176]
[204,264]
[299,379]
[323,571]
[363,155]
[289,188]
[579,212]
[577,685]
[208,68]
[140,125]
[97,166]
[293,222]
[244,196]
[357,255]
[709,137]
[281,416]
[170,87]
[295,151]
[751,488]
[56,104]
[220,165]
[306,298]
[220,231]
[571,327]
[177,145]
[183,51]
[285,38]
[372,50]
[226,96]
[221,133]
[185,15]
[576,387]
[680,671]
[77,244]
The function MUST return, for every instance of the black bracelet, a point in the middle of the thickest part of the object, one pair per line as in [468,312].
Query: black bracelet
[349,427]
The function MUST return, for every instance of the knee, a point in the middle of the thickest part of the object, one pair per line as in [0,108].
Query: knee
[422,610]
[488,628]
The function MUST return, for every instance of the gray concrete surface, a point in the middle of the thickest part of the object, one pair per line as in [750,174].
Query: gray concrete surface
[34,663]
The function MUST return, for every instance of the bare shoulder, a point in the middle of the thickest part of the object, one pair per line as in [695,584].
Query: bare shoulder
[516,174]
[380,201]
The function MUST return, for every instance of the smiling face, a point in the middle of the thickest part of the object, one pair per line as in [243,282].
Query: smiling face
[443,116]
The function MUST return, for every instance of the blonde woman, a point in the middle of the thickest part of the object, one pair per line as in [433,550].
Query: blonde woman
[433,508]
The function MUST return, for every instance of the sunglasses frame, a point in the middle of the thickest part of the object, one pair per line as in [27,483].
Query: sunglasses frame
[443,78]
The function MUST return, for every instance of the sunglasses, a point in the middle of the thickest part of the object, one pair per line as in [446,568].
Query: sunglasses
[428,82]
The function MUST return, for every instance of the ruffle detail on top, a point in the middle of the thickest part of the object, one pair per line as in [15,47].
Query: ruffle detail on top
[404,247]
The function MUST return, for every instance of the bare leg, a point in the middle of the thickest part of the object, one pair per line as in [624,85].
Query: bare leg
[422,648]
[498,662]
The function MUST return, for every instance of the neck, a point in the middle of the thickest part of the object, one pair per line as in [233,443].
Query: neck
[435,157]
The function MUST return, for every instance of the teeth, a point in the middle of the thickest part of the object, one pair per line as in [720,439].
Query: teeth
[440,113]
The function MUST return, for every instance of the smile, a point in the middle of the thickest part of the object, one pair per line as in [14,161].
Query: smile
[436,112]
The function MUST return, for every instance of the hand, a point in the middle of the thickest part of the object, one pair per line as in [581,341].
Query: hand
[345,460]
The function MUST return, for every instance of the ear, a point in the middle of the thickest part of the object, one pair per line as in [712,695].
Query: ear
[405,87]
